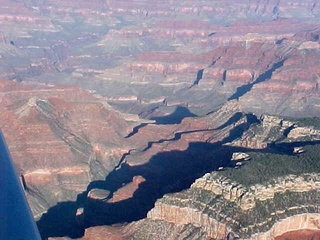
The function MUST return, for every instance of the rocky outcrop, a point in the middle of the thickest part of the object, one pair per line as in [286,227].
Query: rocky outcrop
[98,194]
[60,139]
[185,216]
[68,125]
[203,202]
[260,209]
[102,233]
[166,61]
[153,53]
[303,132]
[308,221]
[277,129]
[246,197]
[127,191]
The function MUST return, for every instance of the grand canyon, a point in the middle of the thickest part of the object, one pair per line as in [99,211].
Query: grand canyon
[164,119]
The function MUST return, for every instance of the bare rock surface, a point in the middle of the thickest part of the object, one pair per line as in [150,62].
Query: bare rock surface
[108,106]
[139,55]
[58,138]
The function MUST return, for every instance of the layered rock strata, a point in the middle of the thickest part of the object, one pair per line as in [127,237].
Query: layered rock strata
[60,140]
[203,202]
[139,55]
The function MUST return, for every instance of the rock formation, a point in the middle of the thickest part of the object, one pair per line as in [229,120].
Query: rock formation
[121,111]
[60,140]
[248,202]
[144,55]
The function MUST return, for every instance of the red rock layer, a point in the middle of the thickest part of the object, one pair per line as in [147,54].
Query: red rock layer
[127,190]
[54,133]
[300,235]
[102,233]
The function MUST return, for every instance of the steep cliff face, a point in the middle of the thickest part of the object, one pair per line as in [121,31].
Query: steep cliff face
[162,163]
[158,164]
[60,139]
[299,224]
[246,198]
[263,197]
[210,207]
[202,73]
[140,55]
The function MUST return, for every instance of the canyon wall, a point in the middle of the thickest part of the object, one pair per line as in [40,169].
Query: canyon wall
[111,105]
[141,55]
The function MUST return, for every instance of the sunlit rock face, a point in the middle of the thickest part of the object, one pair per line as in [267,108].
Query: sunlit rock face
[261,195]
[134,109]
[138,55]
[60,138]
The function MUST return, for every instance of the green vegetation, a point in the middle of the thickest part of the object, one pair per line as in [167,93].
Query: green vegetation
[248,222]
[275,134]
[264,167]
[306,122]
[315,122]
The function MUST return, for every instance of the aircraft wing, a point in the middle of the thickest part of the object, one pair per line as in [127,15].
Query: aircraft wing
[16,220]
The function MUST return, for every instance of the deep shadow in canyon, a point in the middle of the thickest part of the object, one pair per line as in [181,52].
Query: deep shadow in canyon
[198,77]
[165,172]
[175,117]
[60,221]
[176,137]
[242,90]
[136,129]
[232,120]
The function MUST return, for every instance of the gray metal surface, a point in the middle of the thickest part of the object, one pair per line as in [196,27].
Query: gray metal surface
[16,220]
